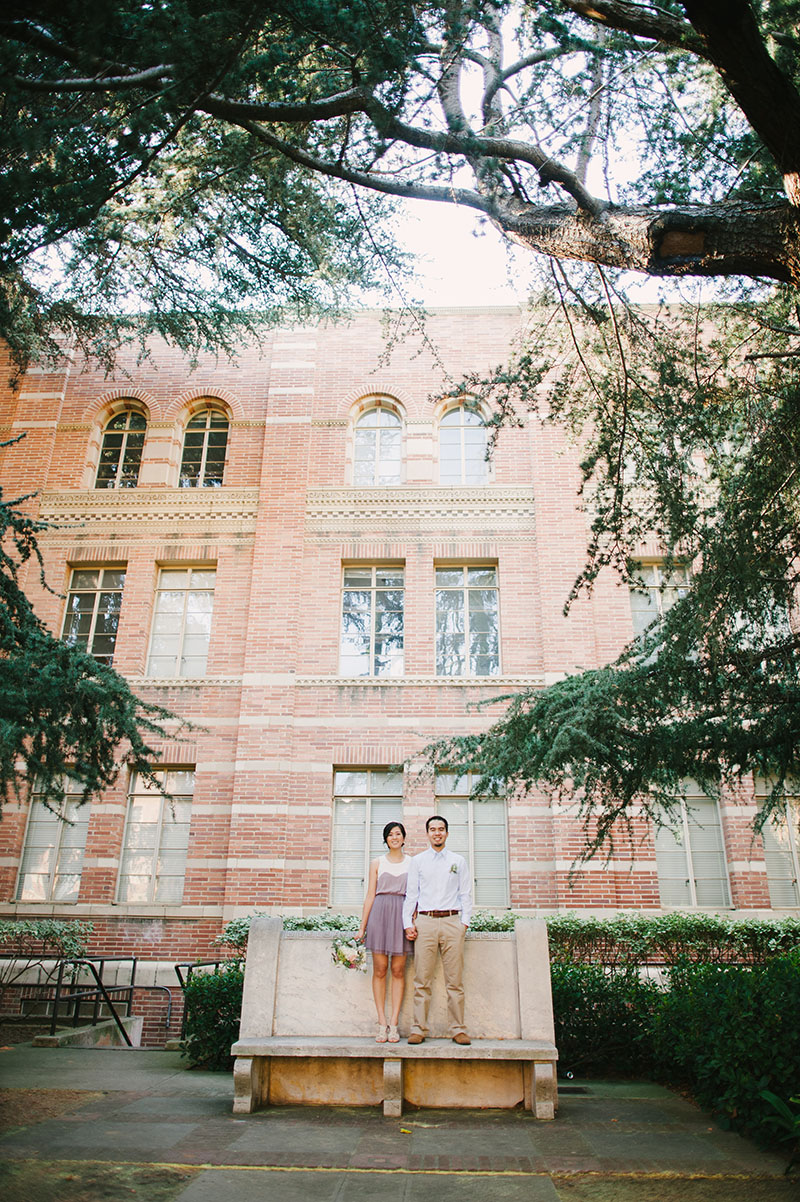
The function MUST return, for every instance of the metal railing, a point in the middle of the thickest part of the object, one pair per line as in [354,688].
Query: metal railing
[74,993]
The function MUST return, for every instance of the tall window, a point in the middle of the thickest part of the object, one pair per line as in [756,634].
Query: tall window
[467,621]
[477,830]
[378,455]
[182,622]
[781,838]
[52,857]
[153,866]
[92,614]
[690,856]
[372,622]
[364,801]
[658,592]
[462,447]
[121,452]
[204,445]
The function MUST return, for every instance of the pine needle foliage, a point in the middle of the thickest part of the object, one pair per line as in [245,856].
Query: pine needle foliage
[61,712]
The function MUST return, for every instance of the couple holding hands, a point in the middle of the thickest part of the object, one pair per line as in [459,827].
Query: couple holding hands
[422,902]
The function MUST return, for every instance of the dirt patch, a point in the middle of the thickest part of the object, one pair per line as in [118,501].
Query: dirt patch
[23,1107]
[74,1182]
[601,1188]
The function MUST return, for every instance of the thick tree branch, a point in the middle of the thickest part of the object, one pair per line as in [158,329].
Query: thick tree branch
[706,240]
[766,96]
[641,20]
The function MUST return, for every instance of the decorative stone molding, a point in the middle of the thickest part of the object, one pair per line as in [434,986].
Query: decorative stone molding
[330,421]
[501,683]
[419,509]
[151,504]
[182,682]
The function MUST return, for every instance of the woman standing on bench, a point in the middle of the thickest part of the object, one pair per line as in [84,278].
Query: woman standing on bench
[382,927]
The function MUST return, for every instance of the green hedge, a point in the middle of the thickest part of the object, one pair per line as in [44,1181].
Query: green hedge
[603,1020]
[213,1008]
[730,1032]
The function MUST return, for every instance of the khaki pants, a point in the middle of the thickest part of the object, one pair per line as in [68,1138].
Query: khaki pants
[434,936]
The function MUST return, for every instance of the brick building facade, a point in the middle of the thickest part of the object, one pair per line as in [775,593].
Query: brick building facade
[307,556]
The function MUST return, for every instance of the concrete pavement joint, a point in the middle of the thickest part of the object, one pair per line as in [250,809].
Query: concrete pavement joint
[633,1175]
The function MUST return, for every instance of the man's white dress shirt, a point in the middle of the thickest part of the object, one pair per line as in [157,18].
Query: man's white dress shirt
[438,880]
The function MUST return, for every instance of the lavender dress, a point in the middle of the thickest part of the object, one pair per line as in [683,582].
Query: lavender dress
[384,931]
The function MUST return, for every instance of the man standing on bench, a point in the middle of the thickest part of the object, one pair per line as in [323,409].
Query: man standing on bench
[436,915]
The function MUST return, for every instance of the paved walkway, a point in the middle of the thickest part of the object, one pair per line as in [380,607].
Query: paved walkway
[611,1140]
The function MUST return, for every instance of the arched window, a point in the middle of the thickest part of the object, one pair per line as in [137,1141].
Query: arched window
[462,447]
[121,452]
[378,457]
[204,445]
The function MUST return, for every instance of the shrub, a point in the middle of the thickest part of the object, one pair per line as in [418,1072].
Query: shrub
[603,1019]
[731,1032]
[213,1002]
[669,939]
[32,941]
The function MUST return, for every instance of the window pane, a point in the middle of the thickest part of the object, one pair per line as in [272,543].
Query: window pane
[153,864]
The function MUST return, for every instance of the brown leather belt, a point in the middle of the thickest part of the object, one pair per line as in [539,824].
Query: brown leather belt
[438,913]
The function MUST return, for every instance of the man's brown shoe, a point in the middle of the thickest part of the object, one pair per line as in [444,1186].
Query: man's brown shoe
[416,1038]
[461,1037]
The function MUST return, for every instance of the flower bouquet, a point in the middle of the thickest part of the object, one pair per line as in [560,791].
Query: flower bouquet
[347,951]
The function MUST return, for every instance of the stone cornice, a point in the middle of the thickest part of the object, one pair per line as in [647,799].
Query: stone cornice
[150,504]
[495,683]
[420,509]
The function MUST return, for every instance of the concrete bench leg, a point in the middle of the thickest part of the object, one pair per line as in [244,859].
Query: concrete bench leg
[393,1088]
[250,1083]
[544,1095]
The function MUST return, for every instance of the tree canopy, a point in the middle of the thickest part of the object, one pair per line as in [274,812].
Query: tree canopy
[60,710]
[191,160]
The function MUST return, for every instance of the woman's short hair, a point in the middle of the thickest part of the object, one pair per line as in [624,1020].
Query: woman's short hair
[390,827]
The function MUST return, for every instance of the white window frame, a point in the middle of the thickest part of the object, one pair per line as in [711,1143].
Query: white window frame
[98,592]
[678,836]
[375,587]
[121,478]
[467,474]
[371,807]
[780,837]
[465,587]
[654,597]
[166,811]
[69,822]
[368,434]
[168,583]
[452,791]
[209,414]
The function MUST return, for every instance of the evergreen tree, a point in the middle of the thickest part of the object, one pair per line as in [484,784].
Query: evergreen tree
[60,710]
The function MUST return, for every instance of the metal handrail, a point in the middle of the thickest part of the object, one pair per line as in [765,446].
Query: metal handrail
[77,994]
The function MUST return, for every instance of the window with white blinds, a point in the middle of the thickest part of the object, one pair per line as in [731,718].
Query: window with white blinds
[52,857]
[690,855]
[364,801]
[781,838]
[156,841]
[477,831]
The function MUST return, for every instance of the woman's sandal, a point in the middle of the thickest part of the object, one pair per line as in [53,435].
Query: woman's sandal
[380,1035]
[393,1035]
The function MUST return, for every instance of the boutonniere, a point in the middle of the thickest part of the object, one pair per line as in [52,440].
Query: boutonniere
[454,867]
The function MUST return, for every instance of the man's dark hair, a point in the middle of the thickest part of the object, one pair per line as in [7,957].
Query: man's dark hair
[437,818]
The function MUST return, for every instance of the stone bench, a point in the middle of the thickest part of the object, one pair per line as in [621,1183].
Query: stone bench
[306,1033]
